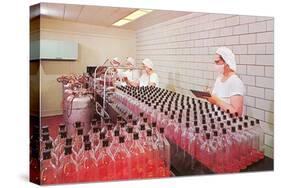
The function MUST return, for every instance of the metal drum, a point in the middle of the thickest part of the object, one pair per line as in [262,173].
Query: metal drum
[78,108]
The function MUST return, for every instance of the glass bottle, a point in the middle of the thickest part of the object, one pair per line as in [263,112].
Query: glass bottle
[48,173]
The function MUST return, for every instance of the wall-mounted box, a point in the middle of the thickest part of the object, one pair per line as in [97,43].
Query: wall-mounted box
[53,50]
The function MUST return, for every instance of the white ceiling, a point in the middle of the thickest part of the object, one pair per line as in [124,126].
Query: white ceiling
[104,16]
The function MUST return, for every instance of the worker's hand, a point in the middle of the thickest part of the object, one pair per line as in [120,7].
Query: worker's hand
[207,89]
[213,99]
[125,79]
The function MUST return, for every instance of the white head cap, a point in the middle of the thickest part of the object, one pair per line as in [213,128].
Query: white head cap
[117,60]
[131,61]
[228,57]
[148,63]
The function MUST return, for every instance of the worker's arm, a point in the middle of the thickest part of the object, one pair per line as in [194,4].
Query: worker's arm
[131,82]
[236,103]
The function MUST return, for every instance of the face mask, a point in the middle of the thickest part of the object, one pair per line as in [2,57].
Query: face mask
[219,68]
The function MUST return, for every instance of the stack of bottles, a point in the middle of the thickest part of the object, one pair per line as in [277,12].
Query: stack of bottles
[128,150]
[222,141]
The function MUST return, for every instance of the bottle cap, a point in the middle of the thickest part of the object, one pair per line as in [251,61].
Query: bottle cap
[149,132]
[257,121]
[68,141]
[102,135]
[197,129]
[61,127]
[45,136]
[205,127]
[195,123]
[145,119]
[161,130]
[49,144]
[228,122]
[136,136]
[94,122]
[95,129]
[77,124]
[116,132]
[109,126]
[239,127]
[105,143]
[208,136]
[45,129]
[123,123]
[62,134]
[224,130]
[142,127]
[215,133]
[252,122]
[46,154]
[130,116]
[106,120]
[121,139]
[86,138]
[67,149]
[80,131]
[203,121]
[213,126]
[119,118]
[88,145]
[233,129]
[130,129]
[240,118]
[135,122]
[187,125]
[221,125]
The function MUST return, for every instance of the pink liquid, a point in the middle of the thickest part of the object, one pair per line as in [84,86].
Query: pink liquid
[137,164]
[69,173]
[122,166]
[177,136]
[87,171]
[162,170]
[48,176]
[106,169]
[150,168]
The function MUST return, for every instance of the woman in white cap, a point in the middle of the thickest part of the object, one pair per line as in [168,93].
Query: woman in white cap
[148,76]
[228,91]
[131,75]
[115,73]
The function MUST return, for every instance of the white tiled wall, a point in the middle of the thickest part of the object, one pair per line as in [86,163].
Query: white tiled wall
[182,50]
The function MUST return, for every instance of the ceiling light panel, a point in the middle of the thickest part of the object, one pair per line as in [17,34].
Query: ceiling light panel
[121,22]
